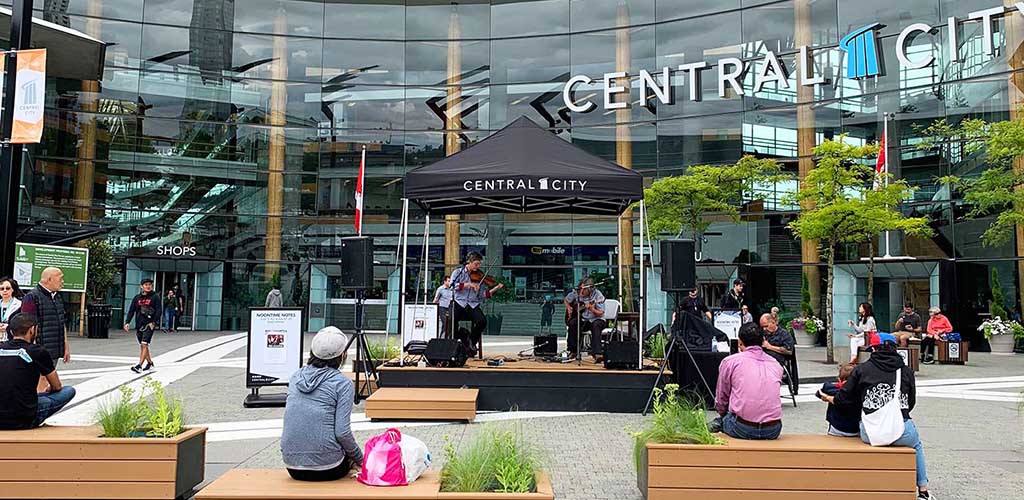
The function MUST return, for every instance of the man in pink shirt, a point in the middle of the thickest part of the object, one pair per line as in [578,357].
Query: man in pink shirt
[747,397]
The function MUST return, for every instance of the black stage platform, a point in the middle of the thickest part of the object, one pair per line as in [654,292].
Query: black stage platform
[528,385]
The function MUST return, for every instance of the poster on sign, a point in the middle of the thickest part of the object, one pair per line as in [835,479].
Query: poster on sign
[275,346]
[729,323]
[420,323]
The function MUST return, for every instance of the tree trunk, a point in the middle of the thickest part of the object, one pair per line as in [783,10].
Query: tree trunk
[830,357]
[871,270]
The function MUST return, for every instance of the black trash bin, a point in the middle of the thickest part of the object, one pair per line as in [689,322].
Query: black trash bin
[98,321]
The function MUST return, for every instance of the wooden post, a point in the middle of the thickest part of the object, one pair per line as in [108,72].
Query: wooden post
[1015,49]
[278,143]
[624,155]
[81,317]
[452,257]
[806,141]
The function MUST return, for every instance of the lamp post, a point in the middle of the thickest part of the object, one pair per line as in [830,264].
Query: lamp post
[10,154]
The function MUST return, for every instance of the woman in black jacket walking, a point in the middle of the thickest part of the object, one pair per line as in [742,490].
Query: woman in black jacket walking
[872,385]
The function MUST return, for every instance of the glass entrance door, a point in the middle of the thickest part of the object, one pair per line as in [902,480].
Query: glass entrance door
[184,286]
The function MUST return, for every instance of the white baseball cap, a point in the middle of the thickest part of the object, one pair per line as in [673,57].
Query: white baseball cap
[329,343]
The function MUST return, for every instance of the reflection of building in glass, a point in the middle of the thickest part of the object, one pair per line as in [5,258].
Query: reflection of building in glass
[237,131]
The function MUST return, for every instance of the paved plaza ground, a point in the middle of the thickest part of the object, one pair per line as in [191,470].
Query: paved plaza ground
[970,417]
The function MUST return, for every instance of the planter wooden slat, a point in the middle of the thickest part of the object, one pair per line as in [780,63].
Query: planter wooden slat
[676,494]
[792,467]
[275,484]
[114,490]
[766,478]
[75,462]
[89,471]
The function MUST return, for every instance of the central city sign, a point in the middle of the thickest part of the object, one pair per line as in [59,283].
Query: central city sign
[860,45]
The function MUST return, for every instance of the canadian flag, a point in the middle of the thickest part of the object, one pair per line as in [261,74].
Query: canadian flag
[359,193]
[882,166]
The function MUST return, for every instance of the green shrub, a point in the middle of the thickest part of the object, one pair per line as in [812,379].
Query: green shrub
[120,417]
[497,459]
[657,345]
[382,350]
[676,420]
[165,417]
[996,308]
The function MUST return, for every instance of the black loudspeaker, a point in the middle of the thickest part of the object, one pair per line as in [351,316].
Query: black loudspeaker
[621,354]
[356,263]
[678,268]
[445,353]
[545,345]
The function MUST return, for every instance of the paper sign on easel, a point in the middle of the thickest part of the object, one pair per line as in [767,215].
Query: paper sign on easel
[29,95]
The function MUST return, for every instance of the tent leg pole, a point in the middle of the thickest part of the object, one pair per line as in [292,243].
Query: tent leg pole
[643,294]
[403,242]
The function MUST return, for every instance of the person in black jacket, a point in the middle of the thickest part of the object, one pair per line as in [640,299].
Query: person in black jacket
[145,308]
[733,300]
[872,385]
[843,421]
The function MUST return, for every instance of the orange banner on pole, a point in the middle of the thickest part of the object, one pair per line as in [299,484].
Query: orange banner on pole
[29,96]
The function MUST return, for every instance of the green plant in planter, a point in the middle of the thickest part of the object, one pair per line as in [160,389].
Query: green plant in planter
[165,417]
[497,459]
[676,420]
[120,418]
[657,345]
[382,350]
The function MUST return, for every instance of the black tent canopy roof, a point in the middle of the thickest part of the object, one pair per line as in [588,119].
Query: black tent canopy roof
[523,168]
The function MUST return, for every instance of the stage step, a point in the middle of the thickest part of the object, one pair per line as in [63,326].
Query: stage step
[395,403]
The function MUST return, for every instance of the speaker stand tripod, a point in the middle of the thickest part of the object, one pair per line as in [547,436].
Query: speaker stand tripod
[668,355]
[362,360]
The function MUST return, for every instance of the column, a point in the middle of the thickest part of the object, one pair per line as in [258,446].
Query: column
[452,259]
[85,172]
[278,143]
[1015,49]
[624,153]
[806,140]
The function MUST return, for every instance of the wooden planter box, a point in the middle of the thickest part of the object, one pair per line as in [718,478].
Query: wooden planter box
[275,484]
[793,467]
[74,462]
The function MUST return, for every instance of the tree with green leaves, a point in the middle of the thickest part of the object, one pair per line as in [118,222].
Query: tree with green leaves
[682,203]
[101,268]
[844,207]
[997,190]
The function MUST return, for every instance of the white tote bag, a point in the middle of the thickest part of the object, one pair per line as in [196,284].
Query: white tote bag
[885,425]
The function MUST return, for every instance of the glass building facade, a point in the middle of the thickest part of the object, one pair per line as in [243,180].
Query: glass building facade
[233,129]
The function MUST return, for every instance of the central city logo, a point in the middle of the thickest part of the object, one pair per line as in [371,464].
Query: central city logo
[862,56]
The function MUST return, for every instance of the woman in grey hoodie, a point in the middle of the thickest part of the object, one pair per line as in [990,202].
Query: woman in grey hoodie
[317,442]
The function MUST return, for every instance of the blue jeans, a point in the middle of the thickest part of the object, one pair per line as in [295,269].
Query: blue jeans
[909,439]
[52,402]
[169,318]
[739,430]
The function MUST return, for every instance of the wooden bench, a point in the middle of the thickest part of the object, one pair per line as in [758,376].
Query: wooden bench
[793,467]
[393,403]
[74,462]
[242,484]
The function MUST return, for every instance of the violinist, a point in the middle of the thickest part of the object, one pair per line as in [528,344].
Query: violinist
[469,286]
[585,312]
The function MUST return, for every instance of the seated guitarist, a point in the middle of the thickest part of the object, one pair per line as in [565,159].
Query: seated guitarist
[467,297]
[584,309]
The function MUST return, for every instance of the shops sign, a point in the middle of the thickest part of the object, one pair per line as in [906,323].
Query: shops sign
[863,60]
[176,251]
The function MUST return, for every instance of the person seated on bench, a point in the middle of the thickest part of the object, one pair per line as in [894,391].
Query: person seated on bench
[938,324]
[317,442]
[22,362]
[907,325]
[778,343]
[747,396]
[872,385]
[843,421]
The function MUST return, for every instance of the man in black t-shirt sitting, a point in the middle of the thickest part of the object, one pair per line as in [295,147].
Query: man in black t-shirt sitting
[21,364]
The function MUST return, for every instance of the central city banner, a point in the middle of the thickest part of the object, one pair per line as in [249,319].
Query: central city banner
[29,95]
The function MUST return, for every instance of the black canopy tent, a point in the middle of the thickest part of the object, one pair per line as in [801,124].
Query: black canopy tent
[521,168]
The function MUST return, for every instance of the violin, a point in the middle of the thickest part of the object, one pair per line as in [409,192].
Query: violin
[480,277]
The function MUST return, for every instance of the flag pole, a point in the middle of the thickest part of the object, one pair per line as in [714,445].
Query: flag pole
[885,171]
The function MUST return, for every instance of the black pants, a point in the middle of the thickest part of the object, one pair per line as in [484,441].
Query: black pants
[594,327]
[322,475]
[473,314]
[927,347]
